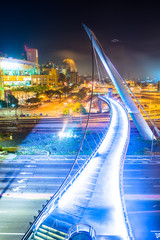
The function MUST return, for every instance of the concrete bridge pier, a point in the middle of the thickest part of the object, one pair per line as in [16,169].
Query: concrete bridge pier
[100,105]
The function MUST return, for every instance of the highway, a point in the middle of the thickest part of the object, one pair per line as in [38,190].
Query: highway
[49,123]
[17,206]
[28,181]
[94,197]
[142,195]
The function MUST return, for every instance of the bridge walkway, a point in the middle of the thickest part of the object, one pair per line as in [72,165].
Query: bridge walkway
[94,197]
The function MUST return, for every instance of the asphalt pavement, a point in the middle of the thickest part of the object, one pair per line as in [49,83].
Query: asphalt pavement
[26,182]
[142,195]
[25,185]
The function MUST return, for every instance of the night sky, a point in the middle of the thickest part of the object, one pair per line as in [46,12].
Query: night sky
[55,29]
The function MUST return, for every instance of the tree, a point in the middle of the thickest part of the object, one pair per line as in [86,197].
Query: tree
[49,93]
[65,90]
[65,111]
[78,107]
[3,104]
[82,93]
[33,100]
[58,93]
[62,78]
[13,102]
[40,89]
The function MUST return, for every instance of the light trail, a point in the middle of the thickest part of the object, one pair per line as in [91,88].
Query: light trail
[13,234]
[142,197]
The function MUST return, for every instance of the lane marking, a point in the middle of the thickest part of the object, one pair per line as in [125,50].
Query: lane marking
[22,180]
[18,188]
[131,170]
[40,177]
[23,173]
[141,197]
[20,234]
[33,166]
[155,211]
[32,196]
[148,178]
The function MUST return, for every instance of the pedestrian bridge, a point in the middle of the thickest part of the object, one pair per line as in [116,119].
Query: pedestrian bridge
[91,202]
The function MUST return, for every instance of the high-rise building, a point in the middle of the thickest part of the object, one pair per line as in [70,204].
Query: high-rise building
[16,72]
[31,55]
[69,69]
[47,78]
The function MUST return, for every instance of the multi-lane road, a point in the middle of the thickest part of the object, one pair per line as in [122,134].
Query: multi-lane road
[142,195]
[25,185]
[27,181]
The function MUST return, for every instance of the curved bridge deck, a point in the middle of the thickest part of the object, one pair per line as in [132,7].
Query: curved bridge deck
[95,197]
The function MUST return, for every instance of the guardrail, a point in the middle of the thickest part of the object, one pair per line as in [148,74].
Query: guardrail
[129,230]
[81,228]
[121,188]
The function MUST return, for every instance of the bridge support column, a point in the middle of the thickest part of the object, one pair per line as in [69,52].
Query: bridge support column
[100,105]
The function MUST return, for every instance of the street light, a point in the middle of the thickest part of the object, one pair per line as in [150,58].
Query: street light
[80,116]
[69,100]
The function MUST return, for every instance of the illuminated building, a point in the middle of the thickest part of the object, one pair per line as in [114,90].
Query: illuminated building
[31,55]
[49,75]
[69,69]
[17,72]
[158,86]
[17,67]
[48,78]
[17,80]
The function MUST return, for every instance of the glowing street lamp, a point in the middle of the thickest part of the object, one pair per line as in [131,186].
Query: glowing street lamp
[69,100]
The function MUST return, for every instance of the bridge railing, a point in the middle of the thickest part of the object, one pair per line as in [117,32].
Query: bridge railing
[52,203]
[121,188]
[129,230]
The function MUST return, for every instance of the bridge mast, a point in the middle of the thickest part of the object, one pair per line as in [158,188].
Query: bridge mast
[117,80]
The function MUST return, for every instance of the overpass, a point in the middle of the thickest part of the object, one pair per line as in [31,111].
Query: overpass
[93,197]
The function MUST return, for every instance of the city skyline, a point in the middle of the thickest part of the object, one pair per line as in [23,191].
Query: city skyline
[80,158]
[129,33]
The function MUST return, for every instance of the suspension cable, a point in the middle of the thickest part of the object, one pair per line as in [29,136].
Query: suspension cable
[156,129]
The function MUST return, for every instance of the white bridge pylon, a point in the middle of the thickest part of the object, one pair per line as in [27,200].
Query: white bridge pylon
[118,82]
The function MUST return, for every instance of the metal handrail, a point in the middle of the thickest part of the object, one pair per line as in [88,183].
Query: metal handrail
[129,230]
[121,188]
[62,189]
[54,200]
